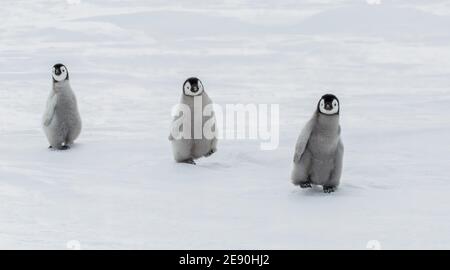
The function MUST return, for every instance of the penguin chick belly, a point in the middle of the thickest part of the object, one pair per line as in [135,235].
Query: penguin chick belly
[322,150]
[320,171]
[201,147]
[182,149]
[67,122]
[56,132]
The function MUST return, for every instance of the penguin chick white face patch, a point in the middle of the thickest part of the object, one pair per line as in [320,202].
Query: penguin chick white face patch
[59,73]
[193,87]
[329,105]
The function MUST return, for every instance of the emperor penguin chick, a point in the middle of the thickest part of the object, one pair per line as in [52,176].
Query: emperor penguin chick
[61,121]
[194,131]
[319,150]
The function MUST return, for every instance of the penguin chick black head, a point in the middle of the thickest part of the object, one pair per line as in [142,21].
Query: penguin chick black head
[193,87]
[60,73]
[329,105]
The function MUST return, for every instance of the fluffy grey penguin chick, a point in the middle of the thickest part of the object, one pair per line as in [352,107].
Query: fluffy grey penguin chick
[186,150]
[61,121]
[319,150]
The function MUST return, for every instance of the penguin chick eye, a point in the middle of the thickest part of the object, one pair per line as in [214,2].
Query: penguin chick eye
[335,103]
[322,103]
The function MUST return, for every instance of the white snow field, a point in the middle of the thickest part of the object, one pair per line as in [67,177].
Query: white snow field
[119,188]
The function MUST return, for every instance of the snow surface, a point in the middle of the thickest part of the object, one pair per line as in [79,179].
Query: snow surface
[119,188]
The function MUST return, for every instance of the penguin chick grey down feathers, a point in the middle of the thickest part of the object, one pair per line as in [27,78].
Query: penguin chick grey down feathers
[188,148]
[319,150]
[61,121]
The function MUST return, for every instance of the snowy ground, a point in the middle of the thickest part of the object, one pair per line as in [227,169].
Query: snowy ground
[119,187]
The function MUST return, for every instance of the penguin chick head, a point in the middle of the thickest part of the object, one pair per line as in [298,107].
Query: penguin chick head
[60,73]
[329,105]
[193,87]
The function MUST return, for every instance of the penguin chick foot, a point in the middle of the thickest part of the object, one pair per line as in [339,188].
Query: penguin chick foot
[210,153]
[329,189]
[305,185]
[189,161]
[64,147]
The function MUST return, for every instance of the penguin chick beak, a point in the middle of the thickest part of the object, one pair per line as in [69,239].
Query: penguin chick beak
[194,89]
[57,72]
[328,107]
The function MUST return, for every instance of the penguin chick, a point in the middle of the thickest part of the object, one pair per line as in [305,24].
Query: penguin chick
[194,143]
[319,150]
[61,121]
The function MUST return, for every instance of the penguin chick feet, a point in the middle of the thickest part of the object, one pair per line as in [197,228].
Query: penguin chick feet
[63,147]
[210,152]
[305,185]
[189,161]
[329,189]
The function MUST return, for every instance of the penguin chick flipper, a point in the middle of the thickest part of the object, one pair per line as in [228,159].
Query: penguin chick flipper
[50,112]
[303,140]
[47,121]
[299,150]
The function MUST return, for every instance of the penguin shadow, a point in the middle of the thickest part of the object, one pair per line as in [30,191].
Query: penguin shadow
[317,191]
[212,165]
[199,164]
[314,191]
[68,149]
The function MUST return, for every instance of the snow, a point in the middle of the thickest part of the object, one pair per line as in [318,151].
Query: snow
[119,187]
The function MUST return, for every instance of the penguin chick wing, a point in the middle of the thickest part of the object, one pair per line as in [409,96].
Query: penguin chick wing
[303,139]
[50,111]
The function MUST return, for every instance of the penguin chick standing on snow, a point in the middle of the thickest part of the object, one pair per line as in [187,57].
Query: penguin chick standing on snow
[61,122]
[194,142]
[319,150]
